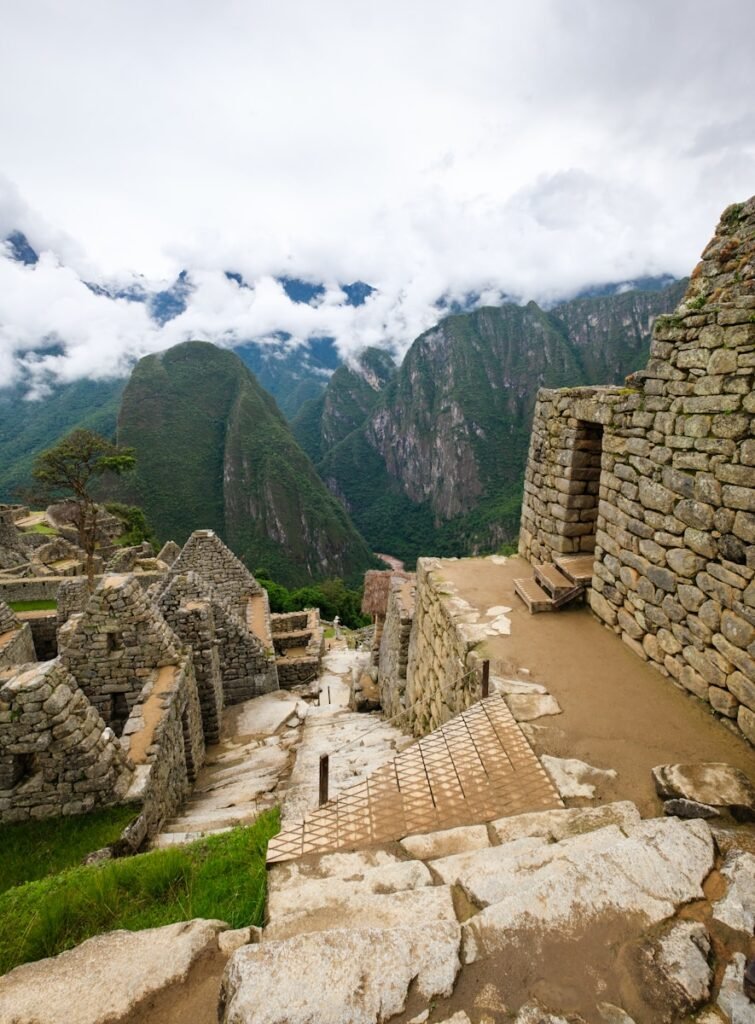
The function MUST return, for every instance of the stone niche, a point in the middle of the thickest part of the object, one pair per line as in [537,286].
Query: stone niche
[658,480]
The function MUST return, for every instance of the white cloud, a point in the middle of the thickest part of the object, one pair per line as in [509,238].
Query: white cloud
[426,148]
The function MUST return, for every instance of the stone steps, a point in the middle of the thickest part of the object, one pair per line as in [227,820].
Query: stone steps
[554,586]
[577,568]
[552,580]
[533,595]
[365,928]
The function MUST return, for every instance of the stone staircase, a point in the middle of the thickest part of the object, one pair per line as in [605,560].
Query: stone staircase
[556,584]
[390,929]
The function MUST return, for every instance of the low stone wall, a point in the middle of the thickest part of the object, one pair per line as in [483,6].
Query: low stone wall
[443,670]
[46,588]
[18,648]
[287,622]
[44,630]
[394,644]
[58,756]
[298,629]
[297,671]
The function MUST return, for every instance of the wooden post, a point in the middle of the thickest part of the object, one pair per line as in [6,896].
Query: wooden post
[324,762]
[485,678]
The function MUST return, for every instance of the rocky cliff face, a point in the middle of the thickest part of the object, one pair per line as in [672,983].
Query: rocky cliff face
[213,451]
[437,465]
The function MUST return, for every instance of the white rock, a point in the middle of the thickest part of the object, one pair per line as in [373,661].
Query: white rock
[309,894]
[447,843]
[737,908]
[681,957]
[458,1018]
[233,939]
[571,821]
[707,782]
[731,998]
[659,865]
[263,716]
[350,976]
[526,706]
[451,870]
[611,1014]
[500,685]
[573,778]
[348,866]
[107,977]
[533,1013]
[427,907]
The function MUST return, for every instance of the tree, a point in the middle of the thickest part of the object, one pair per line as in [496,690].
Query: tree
[71,467]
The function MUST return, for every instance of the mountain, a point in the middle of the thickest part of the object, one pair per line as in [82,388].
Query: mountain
[350,396]
[436,466]
[213,451]
[29,427]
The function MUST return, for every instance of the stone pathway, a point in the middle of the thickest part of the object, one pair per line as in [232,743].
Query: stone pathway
[270,750]
[504,917]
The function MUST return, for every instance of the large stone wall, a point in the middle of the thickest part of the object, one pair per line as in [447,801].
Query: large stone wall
[394,644]
[443,670]
[16,643]
[674,527]
[57,756]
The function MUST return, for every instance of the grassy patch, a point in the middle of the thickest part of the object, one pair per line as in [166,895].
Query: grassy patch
[220,877]
[34,849]
[41,528]
[33,606]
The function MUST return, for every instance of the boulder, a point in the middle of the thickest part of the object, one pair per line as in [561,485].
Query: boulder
[561,824]
[737,1006]
[690,809]
[527,706]
[107,978]
[676,964]
[648,873]
[737,908]
[711,783]
[573,778]
[338,977]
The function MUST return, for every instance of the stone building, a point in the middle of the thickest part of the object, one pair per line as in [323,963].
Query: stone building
[393,652]
[657,479]
[16,643]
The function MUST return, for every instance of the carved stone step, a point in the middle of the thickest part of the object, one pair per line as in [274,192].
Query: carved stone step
[533,596]
[577,568]
[552,580]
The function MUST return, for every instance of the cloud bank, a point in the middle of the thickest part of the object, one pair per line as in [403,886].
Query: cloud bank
[508,150]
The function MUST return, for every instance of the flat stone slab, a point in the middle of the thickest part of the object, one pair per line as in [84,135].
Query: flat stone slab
[425,908]
[713,783]
[348,866]
[561,824]
[573,778]
[340,976]
[264,716]
[500,685]
[647,874]
[446,843]
[527,706]
[316,894]
[105,978]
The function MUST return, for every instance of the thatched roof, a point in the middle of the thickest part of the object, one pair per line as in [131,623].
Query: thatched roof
[377,585]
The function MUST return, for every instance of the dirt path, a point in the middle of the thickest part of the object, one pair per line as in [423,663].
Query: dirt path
[618,711]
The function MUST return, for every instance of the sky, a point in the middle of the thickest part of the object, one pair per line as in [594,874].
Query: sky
[521,150]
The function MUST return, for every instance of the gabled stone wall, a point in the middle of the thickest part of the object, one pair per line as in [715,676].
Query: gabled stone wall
[674,530]
[116,645]
[206,554]
[57,756]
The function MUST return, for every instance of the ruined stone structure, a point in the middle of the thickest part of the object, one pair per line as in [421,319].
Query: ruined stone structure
[393,655]
[377,585]
[241,612]
[57,755]
[658,479]
[16,644]
[298,643]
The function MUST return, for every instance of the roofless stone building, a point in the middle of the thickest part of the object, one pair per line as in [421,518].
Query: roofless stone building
[655,483]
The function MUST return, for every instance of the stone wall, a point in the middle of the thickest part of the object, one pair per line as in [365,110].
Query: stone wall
[394,644]
[443,670]
[44,630]
[117,643]
[57,755]
[206,554]
[674,529]
[293,631]
[190,615]
[16,643]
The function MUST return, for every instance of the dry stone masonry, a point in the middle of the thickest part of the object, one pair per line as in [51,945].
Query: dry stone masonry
[658,478]
[394,644]
[16,644]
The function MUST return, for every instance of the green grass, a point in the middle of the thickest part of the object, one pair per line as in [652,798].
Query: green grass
[34,849]
[32,606]
[220,877]
[41,528]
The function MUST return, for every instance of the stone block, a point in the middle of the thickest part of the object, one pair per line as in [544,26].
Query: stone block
[742,688]
[723,701]
[746,722]
[656,496]
[696,514]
